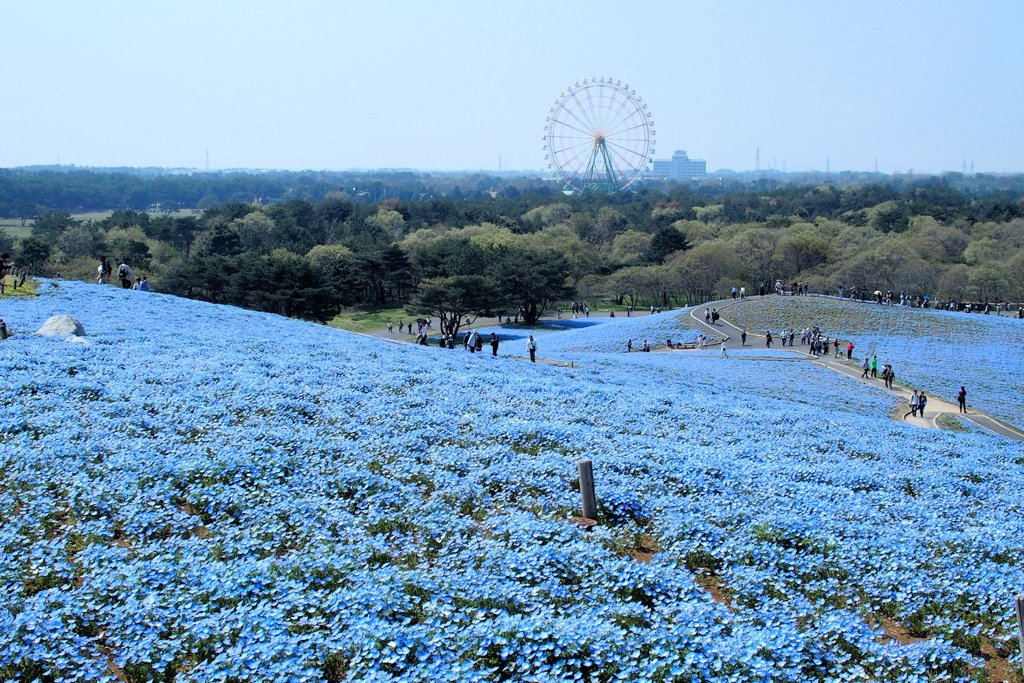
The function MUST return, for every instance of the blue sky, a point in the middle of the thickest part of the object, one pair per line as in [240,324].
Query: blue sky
[446,85]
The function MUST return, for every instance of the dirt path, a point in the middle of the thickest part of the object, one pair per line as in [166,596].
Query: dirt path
[728,335]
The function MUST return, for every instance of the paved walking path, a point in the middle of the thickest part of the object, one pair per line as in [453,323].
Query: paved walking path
[728,335]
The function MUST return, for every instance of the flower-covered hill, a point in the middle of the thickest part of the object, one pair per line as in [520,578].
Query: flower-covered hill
[203,493]
[937,351]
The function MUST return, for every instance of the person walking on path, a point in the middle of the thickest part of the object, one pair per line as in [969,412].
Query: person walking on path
[724,354]
[494,343]
[921,401]
[915,402]
[849,351]
[532,346]
[768,339]
[961,399]
[874,366]
[743,337]
[865,366]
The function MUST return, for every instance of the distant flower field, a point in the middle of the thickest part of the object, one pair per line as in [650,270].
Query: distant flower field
[203,493]
[937,351]
[599,335]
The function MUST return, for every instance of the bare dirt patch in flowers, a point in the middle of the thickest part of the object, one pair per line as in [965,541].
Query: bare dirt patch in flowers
[896,631]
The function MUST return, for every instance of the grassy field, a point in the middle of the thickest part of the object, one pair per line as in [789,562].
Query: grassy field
[14,228]
[368,320]
[27,289]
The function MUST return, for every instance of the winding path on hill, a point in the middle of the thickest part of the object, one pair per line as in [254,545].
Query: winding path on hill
[728,335]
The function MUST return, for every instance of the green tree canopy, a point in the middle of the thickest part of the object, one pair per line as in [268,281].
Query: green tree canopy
[665,242]
[34,253]
[454,299]
[529,280]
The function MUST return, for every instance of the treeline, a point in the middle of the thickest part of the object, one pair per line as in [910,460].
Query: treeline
[26,194]
[523,252]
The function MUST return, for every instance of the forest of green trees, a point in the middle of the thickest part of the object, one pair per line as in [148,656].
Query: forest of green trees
[520,245]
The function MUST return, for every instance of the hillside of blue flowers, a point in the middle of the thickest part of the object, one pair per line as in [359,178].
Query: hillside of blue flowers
[203,493]
[936,351]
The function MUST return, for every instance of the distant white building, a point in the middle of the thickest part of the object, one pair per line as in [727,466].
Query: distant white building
[679,167]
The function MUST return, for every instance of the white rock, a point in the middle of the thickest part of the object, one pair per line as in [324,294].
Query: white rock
[61,325]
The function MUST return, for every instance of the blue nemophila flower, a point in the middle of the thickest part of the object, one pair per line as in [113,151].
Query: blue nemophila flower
[255,497]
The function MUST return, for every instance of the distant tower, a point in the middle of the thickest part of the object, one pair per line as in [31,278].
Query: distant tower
[757,159]
[972,168]
[207,160]
[828,164]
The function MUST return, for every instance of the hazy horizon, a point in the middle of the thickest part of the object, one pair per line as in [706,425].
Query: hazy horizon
[907,87]
[491,171]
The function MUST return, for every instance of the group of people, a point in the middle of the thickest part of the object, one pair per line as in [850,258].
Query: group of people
[645,347]
[918,401]
[797,289]
[104,271]
[630,309]
[579,308]
[474,342]
[818,342]
[785,335]
[422,325]
[889,298]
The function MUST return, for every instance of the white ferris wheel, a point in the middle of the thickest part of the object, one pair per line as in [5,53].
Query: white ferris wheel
[598,136]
